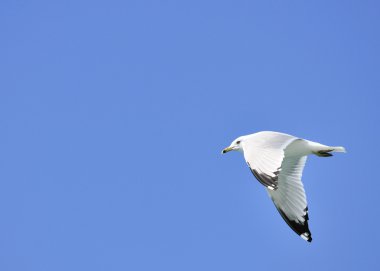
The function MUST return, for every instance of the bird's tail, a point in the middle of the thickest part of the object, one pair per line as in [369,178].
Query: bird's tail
[325,151]
[338,149]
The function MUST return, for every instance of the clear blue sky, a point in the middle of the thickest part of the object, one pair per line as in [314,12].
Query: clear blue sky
[113,115]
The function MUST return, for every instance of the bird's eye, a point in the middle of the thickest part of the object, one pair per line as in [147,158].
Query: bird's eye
[238,142]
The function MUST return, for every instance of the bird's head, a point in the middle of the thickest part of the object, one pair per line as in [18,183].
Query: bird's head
[236,145]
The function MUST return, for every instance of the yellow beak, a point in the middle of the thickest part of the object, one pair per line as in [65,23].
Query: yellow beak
[227,149]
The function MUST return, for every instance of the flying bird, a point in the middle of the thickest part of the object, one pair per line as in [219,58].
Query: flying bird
[277,161]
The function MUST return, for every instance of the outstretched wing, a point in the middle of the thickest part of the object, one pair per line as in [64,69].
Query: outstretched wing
[290,198]
[264,156]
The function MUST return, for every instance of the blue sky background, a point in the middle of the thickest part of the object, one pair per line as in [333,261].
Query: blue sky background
[113,115]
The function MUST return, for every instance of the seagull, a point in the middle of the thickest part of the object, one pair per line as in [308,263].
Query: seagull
[277,161]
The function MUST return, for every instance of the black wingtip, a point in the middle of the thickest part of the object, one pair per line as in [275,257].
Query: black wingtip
[302,229]
[306,236]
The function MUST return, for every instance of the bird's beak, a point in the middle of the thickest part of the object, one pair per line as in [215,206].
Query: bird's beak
[227,149]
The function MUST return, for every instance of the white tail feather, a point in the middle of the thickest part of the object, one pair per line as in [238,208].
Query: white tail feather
[339,149]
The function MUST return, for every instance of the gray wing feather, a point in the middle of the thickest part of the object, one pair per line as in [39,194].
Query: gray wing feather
[264,154]
[290,198]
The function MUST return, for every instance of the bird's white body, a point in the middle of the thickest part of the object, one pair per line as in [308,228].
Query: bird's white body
[277,161]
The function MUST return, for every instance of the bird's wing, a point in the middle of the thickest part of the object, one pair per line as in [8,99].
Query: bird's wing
[264,154]
[290,198]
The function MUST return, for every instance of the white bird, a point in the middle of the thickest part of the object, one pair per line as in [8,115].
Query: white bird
[277,161]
